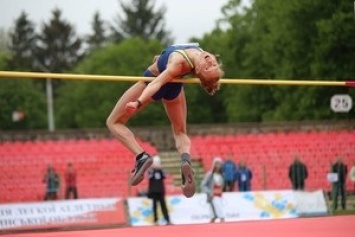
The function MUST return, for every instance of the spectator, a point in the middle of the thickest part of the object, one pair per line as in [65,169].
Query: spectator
[352,176]
[156,189]
[52,180]
[212,184]
[297,174]
[229,170]
[341,170]
[244,176]
[70,182]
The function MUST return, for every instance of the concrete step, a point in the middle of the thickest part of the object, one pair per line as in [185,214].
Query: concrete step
[177,163]
[171,162]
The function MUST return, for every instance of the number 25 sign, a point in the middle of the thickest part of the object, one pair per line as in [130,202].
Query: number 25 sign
[341,103]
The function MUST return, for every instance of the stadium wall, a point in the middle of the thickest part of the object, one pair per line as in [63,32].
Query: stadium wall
[161,136]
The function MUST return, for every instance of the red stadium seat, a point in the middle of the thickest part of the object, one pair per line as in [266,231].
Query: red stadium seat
[102,167]
[276,151]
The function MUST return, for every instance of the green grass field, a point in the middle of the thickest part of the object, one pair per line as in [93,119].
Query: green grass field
[344,212]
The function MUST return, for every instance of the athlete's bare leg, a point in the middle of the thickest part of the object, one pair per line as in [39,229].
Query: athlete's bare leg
[116,124]
[118,117]
[176,110]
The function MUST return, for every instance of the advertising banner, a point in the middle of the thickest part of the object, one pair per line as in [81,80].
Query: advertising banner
[259,205]
[62,213]
[311,203]
[236,206]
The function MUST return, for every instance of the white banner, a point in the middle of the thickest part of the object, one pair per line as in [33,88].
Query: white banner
[311,203]
[182,210]
[58,213]
[236,206]
[259,205]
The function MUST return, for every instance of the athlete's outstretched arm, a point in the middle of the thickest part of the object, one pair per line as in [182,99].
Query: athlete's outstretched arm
[173,70]
[154,86]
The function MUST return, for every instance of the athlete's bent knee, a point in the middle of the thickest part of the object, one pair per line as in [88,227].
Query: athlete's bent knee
[109,123]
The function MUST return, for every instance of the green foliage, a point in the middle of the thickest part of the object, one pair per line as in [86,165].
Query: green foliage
[335,46]
[4,57]
[296,39]
[21,95]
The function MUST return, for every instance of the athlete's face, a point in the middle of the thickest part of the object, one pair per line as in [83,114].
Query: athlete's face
[218,167]
[208,68]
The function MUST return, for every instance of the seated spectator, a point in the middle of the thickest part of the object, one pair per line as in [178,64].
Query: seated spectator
[244,177]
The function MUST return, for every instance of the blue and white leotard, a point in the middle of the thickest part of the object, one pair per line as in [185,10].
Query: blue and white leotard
[170,90]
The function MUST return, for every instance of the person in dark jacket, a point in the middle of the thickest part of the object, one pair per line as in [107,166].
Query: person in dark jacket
[341,170]
[229,169]
[298,174]
[156,189]
[244,177]
[52,180]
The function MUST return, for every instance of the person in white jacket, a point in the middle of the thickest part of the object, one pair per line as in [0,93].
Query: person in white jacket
[212,184]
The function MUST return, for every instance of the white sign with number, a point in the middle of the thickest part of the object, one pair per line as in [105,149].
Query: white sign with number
[341,103]
[332,177]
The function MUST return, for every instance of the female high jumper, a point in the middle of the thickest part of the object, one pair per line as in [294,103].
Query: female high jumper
[175,62]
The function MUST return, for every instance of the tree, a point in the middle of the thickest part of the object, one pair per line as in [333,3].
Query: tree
[241,103]
[141,20]
[4,57]
[98,38]
[22,97]
[22,45]
[296,39]
[22,103]
[58,47]
[308,40]
[4,50]
[334,48]
[4,40]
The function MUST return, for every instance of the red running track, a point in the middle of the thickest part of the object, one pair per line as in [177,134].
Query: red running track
[337,226]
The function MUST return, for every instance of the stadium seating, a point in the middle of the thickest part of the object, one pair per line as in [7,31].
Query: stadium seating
[103,167]
[269,155]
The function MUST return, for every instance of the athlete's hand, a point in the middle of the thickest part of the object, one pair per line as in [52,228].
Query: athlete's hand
[131,107]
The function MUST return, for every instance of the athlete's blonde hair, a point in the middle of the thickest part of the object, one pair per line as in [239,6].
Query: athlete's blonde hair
[211,84]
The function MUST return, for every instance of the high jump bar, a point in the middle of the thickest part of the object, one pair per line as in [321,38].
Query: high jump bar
[45,75]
